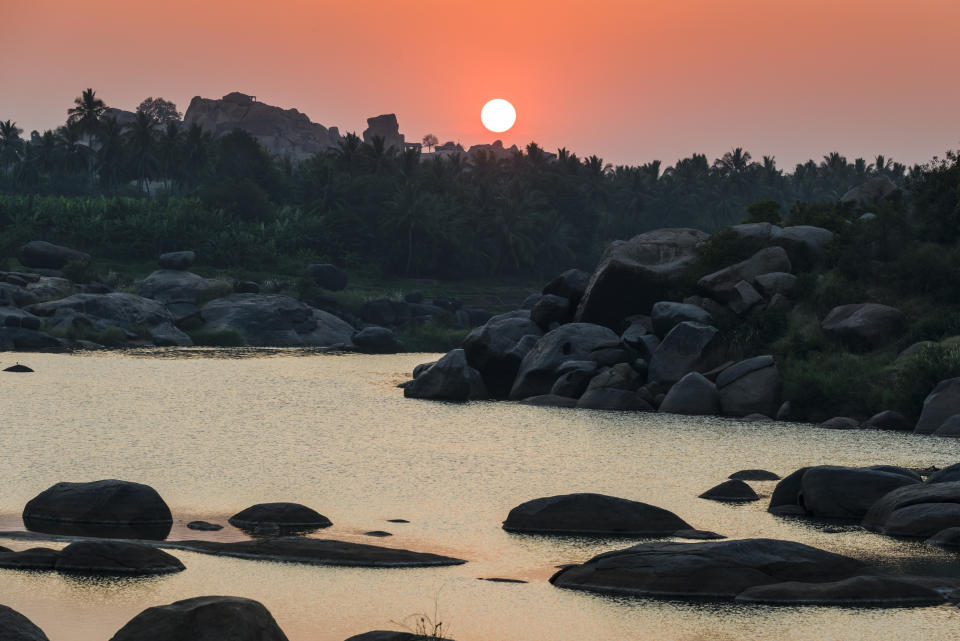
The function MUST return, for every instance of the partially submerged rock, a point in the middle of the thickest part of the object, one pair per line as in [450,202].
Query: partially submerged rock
[754,475]
[205,618]
[539,369]
[592,515]
[830,491]
[917,510]
[449,379]
[857,591]
[102,558]
[16,627]
[692,394]
[291,517]
[496,349]
[752,386]
[19,369]
[732,491]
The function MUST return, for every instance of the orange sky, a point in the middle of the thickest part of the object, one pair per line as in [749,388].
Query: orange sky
[627,80]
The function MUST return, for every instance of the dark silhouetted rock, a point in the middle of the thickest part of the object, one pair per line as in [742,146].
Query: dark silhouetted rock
[610,398]
[743,297]
[731,491]
[948,474]
[115,506]
[864,326]
[180,261]
[39,254]
[689,347]
[665,315]
[916,510]
[573,383]
[646,266]
[247,287]
[377,533]
[895,469]
[538,370]
[377,340]
[28,340]
[286,516]
[386,127]
[950,427]
[709,570]
[551,309]
[205,618]
[858,591]
[327,276]
[840,423]
[180,286]
[870,192]
[386,635]
[752,386]
[274,320]
[940,404]
[775,283]
[692,394]
[550,400]
[37,559]
[449,379]
[204,526]
[948,538]
[829,491]
[16,627]
[889,420]
[571,285]
[721,285]
[497,348]
[18,368]
[115,558]
[594,515]
[754,475]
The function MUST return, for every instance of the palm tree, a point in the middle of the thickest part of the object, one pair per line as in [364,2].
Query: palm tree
[169,150]
[87,111]
[196,154]
[111,155]
[73,157]
[141,143]
[10,144]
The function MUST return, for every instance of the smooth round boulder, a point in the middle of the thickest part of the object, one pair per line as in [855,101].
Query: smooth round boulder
[113,508]
[285,516]
[946,475]
[179,261]
[889,420]
[752,386]
[377,340]
[920,510]
[39,254]
[115,558]
[592,515]
[869,591]
[16,627]
[864,326]
[732,491]
[948,538]
[950,427]
[205,618]
[705,570]
[830,491]
[693,394]
[328,276]
[840,423]
[754,475]
[551,309]
[550,400]
[204,526]
[41,559]
[689,347]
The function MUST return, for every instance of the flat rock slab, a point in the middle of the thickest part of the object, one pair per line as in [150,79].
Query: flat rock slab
[103,558]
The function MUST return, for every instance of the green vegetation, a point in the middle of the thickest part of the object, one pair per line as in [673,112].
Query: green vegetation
[431,337]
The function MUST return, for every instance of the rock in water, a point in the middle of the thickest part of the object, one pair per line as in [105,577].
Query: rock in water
[539,369]
[752,386]
[274,320]
[115,558]
[593,515]
[23,369]
[205,618]
[829,491]
[732,491]
[692,394]
[449,379]
[204,526]
[16,627]
[689,347]
[916,510]
[858,591]
[754,475]
[100,508]
[286,516]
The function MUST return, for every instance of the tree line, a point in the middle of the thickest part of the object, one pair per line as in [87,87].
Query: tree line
[368,206]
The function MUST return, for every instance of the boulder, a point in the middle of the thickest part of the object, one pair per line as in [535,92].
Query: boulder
[387,635]
[743,298]
[858,592]
[377,340]
[497,348]
[16,627]
[752,386]
[571,285]
[449,379]
[889,420]
[918,510]
[665,315]
[940,404]
[247,287]
[840,423]
[803,242]
[115,558]
[180,261]
[689,347]
[36,559]
[549,310]
[721,284]
[593,515]
[416,296]
[574,382]
[732,491]
[120,509]
[872,191]
[180,286]
[755,475]
[775,283]
[950,427]
[632,275]
[948,474]
[948,538]
[896,469]
[275,320]
[706,570]
[385,312]
[530,301]
[289,517]
[48,288]
[28,340]
[692,394]
[18,369]
[204,526]
[550,400]
[610,398]
[39,254]
[16,296]
[864,326]
[284,132]
[386,127]
[760,232]
[829,491]
[328,276]
[620,376]
[204,618]
[538,370]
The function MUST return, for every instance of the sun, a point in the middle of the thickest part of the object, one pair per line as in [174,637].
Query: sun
[498,115]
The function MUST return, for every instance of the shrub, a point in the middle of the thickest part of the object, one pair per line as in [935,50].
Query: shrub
[833,384]
[914,378]
[764,211]
[79,271]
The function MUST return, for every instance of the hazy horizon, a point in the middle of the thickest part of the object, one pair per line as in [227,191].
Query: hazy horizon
[627,81]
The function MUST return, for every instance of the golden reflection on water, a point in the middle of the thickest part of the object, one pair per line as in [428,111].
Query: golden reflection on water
[214,433]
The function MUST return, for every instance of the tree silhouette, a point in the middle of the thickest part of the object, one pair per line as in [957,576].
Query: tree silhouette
[86,112]
[430,141]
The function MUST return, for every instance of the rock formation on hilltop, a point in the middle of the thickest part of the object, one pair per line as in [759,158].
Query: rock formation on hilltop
[284,132]
[496,148]
[387,127]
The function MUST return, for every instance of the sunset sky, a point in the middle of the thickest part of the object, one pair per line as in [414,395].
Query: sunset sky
[629,80]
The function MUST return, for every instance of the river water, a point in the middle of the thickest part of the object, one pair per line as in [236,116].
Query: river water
[215,432]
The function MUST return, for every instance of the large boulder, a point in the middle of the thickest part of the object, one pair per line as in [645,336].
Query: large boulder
[665,315]
[549,310]
[948,474]
[867,591]
[721,285]
[449,379]
[121,509]
[28,340]
[291,517]
[386,127]
[385,312]
[692,394]
[615,399]
[497,348]
[276,321]
[115,558]
[632,275]
[731,491]
[775,283]
[328,276]
[284,132]
[916,510]
[180,286]
[16,627]
[804,242]
[205,618]
[706,570]
[689,347]
[571,285]
[539,369]
[594,515]
[940,404]
[950,427]
[377,340]
[872,191]
[829,491]
[750,387]
[180,261]
[39,254]
[128,312]
[863,326]
[889,420]
[51,288]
